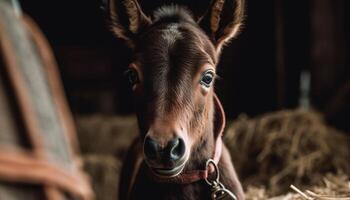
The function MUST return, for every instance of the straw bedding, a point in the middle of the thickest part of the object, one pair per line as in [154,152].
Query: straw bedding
[270,153]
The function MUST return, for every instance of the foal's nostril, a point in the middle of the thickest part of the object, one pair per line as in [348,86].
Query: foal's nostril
[176,149]
[151,148]
[173,151]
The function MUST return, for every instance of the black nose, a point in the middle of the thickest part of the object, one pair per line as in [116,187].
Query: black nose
[173,151]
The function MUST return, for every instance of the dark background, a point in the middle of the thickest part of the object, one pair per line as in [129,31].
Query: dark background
[260,70]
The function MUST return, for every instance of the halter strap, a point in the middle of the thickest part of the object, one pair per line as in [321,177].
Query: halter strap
[196,175]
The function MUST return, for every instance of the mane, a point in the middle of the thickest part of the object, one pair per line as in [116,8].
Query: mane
[172,14]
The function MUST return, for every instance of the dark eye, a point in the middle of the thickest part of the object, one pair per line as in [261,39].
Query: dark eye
[207,78]
[132,76]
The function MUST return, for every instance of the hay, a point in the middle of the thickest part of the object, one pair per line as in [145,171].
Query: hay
[284,148]
[335,187]
[107,135]
[270,153]
[104,171]
[104,141]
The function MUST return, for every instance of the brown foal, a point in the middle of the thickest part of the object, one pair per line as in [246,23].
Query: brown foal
[181,120]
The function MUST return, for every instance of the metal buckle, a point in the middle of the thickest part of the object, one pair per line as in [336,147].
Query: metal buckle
[218,190]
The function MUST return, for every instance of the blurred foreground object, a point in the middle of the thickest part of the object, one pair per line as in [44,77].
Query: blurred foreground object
[38,146]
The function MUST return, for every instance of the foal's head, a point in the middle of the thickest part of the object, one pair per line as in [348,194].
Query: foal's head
[172,75]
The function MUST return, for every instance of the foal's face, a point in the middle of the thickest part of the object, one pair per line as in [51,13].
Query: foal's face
[172,74]
[172,77]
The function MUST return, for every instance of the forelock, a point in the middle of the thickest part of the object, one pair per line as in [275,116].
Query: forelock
[172,13]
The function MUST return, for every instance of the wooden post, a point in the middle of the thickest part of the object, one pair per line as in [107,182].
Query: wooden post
[327,49]
[280,55]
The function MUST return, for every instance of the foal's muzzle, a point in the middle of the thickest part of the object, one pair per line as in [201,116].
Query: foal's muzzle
[167,160]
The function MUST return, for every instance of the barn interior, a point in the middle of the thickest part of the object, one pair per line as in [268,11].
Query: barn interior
[285,88]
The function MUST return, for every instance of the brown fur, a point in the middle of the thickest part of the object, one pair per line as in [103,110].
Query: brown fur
[171,54]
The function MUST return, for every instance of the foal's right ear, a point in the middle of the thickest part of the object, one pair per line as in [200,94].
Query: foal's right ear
[126,19]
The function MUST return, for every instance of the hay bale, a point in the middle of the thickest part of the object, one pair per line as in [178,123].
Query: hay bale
[106,134]
[104,141]
[286,147]
[104,171]
[270,152]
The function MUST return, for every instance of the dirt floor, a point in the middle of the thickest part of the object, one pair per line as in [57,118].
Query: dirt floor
[270,153]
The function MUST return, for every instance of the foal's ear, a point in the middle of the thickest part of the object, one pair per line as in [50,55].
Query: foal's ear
[223,20]
[126,19]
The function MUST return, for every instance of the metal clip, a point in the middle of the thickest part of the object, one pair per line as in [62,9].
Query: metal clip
[218,190]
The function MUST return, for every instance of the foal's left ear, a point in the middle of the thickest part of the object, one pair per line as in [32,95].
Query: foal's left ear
[126,19]
[223,20]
